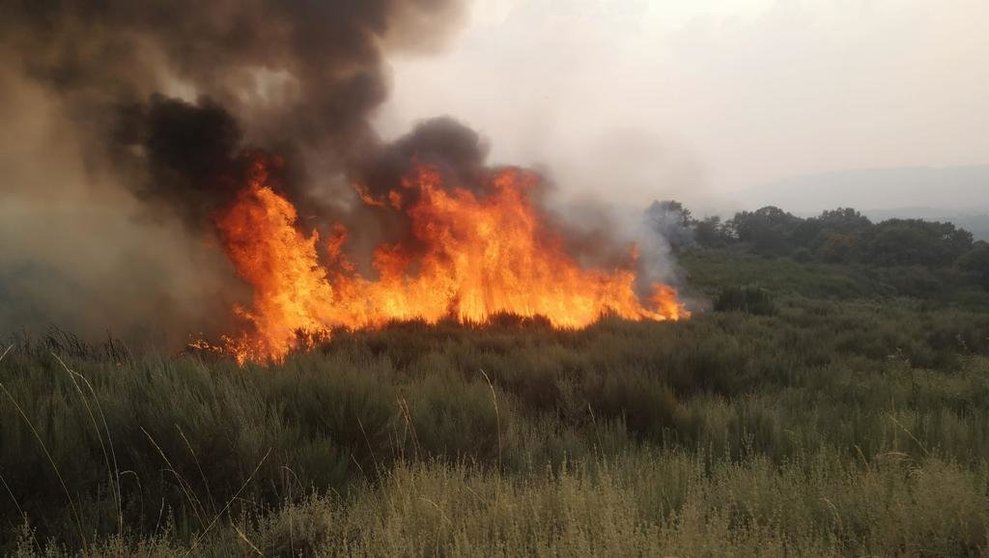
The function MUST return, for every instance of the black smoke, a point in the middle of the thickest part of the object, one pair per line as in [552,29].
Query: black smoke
[190,153]
[299,77]
[444,143]
[129,123]
[126,124]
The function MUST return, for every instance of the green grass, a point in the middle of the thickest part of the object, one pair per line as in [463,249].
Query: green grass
[712,270]
[848,424]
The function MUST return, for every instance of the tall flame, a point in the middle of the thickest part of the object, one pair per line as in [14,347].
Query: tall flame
[474,256]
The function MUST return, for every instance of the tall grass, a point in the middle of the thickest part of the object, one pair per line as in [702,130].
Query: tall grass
[826,427]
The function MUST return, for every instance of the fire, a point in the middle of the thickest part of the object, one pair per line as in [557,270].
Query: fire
[470,256]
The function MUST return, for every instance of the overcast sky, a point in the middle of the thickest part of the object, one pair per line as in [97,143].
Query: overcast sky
[694,98]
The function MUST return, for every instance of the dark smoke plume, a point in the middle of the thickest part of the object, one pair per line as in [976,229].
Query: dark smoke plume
[110,101]
[189,150]
[128,124]
[441,142]
[299,76]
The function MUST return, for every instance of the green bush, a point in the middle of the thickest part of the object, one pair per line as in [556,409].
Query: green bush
[752,300]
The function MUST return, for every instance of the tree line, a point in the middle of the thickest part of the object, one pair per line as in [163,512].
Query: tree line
[840,236]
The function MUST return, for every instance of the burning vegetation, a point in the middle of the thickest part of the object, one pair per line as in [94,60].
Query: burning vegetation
[469,254]
[182,109]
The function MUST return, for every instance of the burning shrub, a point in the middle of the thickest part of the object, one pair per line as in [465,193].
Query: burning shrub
[471,253]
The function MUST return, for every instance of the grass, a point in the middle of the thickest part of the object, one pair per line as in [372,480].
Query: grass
[833,425]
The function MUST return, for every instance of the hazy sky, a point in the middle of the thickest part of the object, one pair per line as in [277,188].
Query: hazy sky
[704,97]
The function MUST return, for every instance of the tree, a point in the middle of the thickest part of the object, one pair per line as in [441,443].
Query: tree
[671,220]
[835,235]
[769,230]
[916,242]
[835,247]
[710,232]
[976,262]
[845,220]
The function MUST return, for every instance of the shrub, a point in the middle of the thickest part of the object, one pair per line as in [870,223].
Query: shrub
[751,300]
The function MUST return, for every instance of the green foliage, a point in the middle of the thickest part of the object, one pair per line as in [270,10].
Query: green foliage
[753,300]
[915,242]
[710,232]
[767,230]
[849,420]
[916,254]
[976,262]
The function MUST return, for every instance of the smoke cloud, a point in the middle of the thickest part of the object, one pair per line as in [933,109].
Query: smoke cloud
[124,127]
[131,125]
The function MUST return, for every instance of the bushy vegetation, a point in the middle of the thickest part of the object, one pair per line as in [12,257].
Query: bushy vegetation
[814,410]
[925,252]
[753,300]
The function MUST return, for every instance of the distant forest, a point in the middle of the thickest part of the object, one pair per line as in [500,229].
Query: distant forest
[934,252]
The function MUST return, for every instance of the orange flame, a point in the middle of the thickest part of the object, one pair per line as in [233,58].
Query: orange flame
[476,256]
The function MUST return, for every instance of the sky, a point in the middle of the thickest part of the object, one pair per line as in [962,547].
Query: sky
[702,99]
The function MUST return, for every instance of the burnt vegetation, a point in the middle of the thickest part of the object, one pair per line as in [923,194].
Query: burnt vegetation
[819,407]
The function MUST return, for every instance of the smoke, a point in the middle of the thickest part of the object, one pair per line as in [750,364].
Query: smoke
[72,250]
[124,124]
[442,142]
[188,152]
[128,126]
[597,232]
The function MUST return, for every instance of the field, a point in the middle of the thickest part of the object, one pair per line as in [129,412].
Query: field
[812,409]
